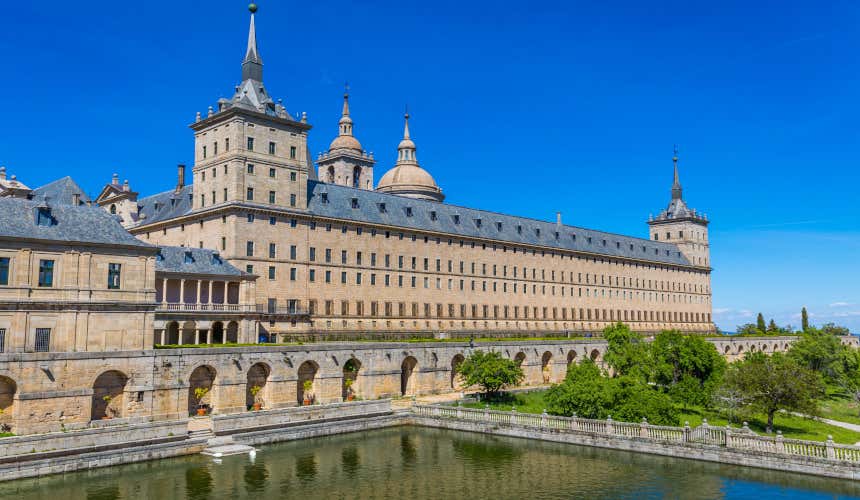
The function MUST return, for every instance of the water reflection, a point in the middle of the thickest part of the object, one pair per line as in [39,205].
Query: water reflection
[198,483]
[486,451]
[306,467]
[103,492]
[407,450]
[349,461]
[256,476]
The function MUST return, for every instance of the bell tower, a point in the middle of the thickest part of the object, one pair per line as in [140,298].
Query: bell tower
[682,226]
[346,163]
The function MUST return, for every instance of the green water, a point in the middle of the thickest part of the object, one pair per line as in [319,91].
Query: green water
[409,463]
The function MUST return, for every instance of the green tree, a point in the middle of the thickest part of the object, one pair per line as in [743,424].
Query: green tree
[632,400]
[772,328]
[490,371]
[804,319]
[772,383]
[832,329]
[748,329]
[820,352]
[585,392]
[759,324]
[849,374]
[688,366]
[626,352]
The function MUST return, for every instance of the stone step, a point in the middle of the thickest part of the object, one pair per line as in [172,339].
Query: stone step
[227,450]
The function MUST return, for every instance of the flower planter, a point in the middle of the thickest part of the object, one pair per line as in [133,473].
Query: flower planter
[257,406]
[201,412]
[350,397]
[306,402]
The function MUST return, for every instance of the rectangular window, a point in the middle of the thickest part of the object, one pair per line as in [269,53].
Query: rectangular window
[292,177]
[46,273]
[250,143]
[249,269]
[293,153]
[272,172]
[250,195]
[2,340]
[43,339]
[250,168]
[271,272]
[271,196]
[312,275]
[113,276]
[312,254]
[328,276]
[292,200]
[249,249]
[271,148]
[4,270]
[292,274]
[273,250]
[293,251]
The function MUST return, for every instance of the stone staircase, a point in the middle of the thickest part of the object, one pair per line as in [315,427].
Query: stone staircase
[224,446]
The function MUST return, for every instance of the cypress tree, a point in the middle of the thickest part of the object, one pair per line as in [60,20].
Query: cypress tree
[804,319]
[759,323]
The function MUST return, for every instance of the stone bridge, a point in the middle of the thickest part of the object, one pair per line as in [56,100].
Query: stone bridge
[41,392]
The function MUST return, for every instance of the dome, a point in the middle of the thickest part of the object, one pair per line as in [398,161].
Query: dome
[345,142]
[411,181]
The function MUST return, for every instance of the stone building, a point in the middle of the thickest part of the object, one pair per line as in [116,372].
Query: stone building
[348,258]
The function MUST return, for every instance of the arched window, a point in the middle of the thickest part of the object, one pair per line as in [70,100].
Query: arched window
[356,177]
[113,209]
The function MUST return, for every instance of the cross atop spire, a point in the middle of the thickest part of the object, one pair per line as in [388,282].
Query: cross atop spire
[252,66]
[676,184]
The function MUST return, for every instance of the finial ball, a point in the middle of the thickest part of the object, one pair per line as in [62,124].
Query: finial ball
[252,7]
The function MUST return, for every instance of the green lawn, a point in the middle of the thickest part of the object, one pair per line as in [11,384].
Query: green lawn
[791,426]
[842,409]
[6,434]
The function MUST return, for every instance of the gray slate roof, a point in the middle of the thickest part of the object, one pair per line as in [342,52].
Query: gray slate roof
[60,192]
[530,232]
[172,260]
[82,224]
[166,205]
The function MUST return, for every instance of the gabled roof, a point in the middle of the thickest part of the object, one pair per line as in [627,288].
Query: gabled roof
[198,261]
[166,205]
[70,224]
[60,192]
[467,222]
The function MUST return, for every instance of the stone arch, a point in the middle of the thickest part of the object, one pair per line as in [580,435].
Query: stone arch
[173,333]
[203,377]
[350,375]
[456,361]
[727,350]
[218,332]
[520,358]
[546,367]
[407,376]
[595,355]
[108,395]
[8,388]
[571,357]
[307,372]
[232,332]
[740,349]
[258,376]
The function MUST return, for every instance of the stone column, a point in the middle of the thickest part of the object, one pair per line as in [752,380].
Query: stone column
[196,336]
[226,288]
[163,336]
[182,291]
[209,335]
[209,300]
[199,292]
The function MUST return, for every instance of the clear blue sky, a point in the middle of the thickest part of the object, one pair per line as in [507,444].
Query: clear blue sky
[521,107]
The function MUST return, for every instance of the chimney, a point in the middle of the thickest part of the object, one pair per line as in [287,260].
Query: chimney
[2,173]
[558,218]
[76,199]
[115,180]
[125,186]
[180,181]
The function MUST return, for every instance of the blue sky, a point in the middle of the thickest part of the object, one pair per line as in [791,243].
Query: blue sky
[520,108]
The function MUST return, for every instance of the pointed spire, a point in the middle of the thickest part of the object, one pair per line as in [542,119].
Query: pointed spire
[406,124]
[345,121]
[252,66]
[406,148]
[346,101]
[676,184]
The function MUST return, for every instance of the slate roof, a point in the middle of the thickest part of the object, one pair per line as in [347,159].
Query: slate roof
[480,224]
[204,261]
[60,192]
[163,206]
[81,224]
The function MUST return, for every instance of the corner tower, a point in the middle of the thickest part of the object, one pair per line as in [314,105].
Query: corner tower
[346,163]
[250,149]
[682,226]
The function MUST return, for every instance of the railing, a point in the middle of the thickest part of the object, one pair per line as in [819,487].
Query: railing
[726,437]
[179,307]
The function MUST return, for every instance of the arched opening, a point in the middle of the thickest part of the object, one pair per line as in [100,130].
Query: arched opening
[8,388]
[108,392]
[356,175]
[200,390]
[740,349]
[217,332]
[173,333]
[727,349]
[407,381]
[233,332]
[571,358]
[546,367]
[456,382]
[350,375]
[595,355]
[520,358]
[255,388]
[187,336]
[306,391]
[113,209]
[330,174]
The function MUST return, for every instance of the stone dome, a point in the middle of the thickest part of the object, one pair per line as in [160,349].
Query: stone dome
[345,142]
[411,181]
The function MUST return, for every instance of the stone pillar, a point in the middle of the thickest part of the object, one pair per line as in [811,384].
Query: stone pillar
[199,292]
[209,336]
[196,336]
[164,336]
[182,291]
[226,289]
[209,299]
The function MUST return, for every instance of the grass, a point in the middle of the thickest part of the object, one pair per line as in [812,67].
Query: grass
[791,426]
[840,408]
[6,434]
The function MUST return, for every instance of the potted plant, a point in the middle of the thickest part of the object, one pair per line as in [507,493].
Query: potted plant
[350,394]
[258,402]
[199,394]
[107,399]
[308,385]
